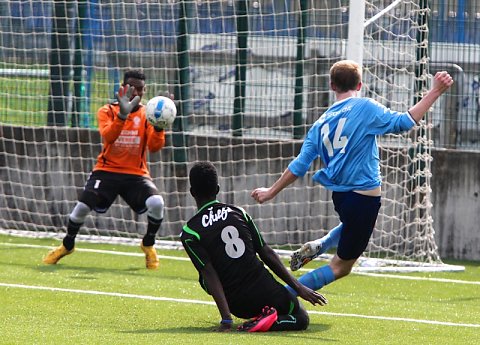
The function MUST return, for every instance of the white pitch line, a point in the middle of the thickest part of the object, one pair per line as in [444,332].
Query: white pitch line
[440,280]
[389,318]
[370,274]
[113,294]
[190,301]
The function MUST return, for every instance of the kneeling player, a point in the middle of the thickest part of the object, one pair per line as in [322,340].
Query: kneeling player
[222,241]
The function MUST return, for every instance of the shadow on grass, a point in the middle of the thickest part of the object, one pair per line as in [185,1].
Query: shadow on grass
[96,272]
[310,333]
[91,270]
[28,259]
[139,272]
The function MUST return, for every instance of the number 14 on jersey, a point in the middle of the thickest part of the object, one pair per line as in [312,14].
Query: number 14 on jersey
[339,141]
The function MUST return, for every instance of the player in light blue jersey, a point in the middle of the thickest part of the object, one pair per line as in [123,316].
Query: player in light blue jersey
[344,138]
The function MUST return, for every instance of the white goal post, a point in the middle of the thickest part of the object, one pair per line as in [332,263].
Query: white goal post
[289,47]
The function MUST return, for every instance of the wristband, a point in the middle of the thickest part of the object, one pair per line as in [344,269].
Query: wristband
[226,321]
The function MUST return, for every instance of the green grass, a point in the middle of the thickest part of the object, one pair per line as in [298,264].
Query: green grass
[132,310]
[25,101]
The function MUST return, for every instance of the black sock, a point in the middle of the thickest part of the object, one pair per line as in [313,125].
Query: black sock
[72,231]
[152,229]
[297,322]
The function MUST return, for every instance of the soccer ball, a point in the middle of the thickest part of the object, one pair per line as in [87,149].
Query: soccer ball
[161,111]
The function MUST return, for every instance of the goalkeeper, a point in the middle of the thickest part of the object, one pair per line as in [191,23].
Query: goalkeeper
[344,137]
[121,169]
[222,241]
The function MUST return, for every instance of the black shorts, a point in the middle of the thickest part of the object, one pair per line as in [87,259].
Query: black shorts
[103,187]
[266,291]
[358,213]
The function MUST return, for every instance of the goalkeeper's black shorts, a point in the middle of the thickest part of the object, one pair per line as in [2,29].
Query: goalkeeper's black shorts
[103,187]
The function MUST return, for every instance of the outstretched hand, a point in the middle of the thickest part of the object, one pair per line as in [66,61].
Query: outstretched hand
[127,104]
[311,296]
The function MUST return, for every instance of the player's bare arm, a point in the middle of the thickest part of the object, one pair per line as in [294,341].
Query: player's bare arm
[216,289]
[441,83]
[263,194]
[272,260]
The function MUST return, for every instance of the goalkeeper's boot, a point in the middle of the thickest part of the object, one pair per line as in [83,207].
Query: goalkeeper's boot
[260,323]
[56,254]
[305,254]
[151,258]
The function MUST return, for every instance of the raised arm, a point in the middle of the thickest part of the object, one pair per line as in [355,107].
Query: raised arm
[264,194]
[441,83]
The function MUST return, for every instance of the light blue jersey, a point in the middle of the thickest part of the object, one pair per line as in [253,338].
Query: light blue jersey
[344,137]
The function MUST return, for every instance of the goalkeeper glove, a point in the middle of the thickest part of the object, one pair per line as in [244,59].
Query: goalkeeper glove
[123,97]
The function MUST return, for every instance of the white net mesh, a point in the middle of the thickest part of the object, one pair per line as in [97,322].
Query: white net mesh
[248,91]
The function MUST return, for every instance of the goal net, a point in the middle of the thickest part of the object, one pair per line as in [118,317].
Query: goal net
[250,78]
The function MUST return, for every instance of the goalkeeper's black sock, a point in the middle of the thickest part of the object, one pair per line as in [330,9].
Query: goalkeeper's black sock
[72,231]
[152,229]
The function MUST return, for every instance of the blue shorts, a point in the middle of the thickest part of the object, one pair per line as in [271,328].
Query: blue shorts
[358,213]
